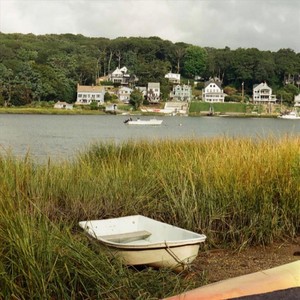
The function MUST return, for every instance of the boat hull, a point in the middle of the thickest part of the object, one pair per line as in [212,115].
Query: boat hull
[138,240]
[290,116]
[178,257]
[145,122]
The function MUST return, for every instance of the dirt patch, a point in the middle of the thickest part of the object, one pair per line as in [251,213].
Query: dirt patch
[223,264]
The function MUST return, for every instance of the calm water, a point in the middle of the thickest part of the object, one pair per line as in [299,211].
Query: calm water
[61,137]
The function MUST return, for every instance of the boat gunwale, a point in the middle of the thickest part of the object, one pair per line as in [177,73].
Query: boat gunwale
[161,244]
[153,246]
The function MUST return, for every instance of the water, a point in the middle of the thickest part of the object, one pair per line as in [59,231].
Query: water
[63,136]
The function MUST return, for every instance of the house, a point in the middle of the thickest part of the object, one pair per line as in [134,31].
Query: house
[213,91]
[87,94]
[181,93]
[153,92]
[122,77]
[124,93]
[63,105]
[297,100]
[173,78]
[262,93]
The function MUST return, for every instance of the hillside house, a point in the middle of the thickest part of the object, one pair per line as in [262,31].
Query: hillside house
[124,93]
[262,93]
[213,91]
[173,78]
[87,94]
[122,77]
[181,93]
[153,92]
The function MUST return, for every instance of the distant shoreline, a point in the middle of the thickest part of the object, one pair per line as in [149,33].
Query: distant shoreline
[52,111]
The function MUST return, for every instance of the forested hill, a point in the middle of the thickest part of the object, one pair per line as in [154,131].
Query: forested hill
[48,67]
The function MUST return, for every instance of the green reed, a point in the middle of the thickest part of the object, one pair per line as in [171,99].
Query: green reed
[238,192]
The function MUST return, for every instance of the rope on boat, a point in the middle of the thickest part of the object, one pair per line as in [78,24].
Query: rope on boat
[175,257]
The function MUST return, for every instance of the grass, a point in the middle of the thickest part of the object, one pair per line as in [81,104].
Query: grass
[48,111]
[196,107]
[239,192]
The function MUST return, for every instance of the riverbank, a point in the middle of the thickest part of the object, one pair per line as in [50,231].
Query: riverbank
[48,111]
[196,108]
[240,193]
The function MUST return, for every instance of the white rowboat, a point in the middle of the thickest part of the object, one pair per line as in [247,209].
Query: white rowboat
[139,240]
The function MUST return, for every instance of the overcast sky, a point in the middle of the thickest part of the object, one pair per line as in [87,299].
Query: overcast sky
[263,24]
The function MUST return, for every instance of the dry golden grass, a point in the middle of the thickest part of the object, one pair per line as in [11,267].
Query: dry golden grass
[238,192]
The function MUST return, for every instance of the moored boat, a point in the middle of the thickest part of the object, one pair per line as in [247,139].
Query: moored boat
[139,240]
[143,122]
[293,115]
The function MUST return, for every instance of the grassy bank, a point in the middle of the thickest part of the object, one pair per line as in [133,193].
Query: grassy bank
[48,111]
[242,109]
[239,192]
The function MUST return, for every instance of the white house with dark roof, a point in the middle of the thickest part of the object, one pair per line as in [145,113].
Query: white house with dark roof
[153,92]
[119,75]
[262,93]
[86,94]
[122,77]
[213,91]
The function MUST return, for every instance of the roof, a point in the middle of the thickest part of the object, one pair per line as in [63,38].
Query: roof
[153,85]
[62,103]
[125,88]
[173,76]
[90,88]
[216,82]
[261,85]
[141,88]
[121,71]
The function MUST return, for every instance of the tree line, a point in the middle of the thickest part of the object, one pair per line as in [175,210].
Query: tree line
[48,67]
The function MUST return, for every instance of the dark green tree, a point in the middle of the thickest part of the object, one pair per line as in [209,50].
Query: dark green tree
[136,99]
[194,61]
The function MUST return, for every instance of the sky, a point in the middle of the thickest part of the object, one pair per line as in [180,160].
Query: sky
[263,24]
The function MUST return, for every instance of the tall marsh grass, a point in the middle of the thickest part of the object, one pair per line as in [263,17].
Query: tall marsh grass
[238,192]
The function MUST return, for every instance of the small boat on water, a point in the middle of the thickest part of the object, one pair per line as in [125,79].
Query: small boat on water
[139,240]
[293,115]
[143,122]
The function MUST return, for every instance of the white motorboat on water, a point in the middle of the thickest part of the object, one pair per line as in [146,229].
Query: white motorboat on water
[139,240]
[293,115]
[143,122]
